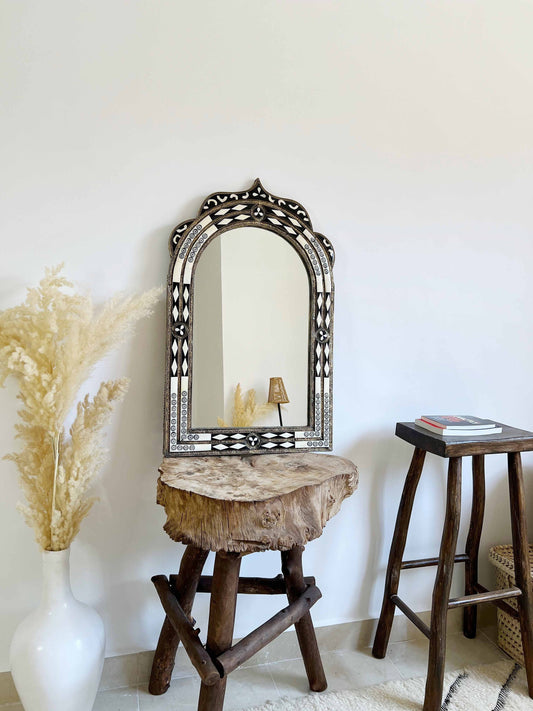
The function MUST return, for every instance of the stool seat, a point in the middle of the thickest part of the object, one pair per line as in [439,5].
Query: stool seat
[252,503]
[510,439]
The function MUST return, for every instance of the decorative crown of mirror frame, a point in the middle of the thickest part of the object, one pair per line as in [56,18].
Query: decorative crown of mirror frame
[219,213]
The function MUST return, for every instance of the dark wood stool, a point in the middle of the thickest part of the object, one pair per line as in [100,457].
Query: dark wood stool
[511,441]
[236,506]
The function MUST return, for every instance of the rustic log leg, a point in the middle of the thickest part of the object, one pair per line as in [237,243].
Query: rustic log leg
[191,566]
[472,542]
[521,561]
[399,538]
[221,622]
[291,565]
[441,590]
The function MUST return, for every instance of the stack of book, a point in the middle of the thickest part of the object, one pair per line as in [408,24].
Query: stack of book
[457,425]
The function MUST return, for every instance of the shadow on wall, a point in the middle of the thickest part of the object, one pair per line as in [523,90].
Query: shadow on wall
[377,457]
[383,461]
[126,527]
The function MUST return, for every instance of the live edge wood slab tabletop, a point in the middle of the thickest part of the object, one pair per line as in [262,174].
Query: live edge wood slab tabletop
[253,502]
[510,439]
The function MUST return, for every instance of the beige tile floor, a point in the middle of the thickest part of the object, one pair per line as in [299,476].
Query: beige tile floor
[265,680]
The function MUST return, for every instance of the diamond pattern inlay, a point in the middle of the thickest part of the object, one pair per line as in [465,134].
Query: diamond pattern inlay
[187,242]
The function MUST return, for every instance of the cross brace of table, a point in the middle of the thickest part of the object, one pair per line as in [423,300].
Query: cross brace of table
[212,668]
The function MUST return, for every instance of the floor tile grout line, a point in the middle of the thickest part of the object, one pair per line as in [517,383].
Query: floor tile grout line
[401,674]
[278,661]
[488,639]
[274,682]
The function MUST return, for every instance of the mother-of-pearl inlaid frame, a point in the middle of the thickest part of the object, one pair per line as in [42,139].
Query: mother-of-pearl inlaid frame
[220,213]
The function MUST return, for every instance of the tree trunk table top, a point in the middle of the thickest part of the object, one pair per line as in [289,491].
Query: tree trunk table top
[255,502]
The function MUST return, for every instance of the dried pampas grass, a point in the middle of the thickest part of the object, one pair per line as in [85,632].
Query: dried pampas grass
[50,344]
[246,410]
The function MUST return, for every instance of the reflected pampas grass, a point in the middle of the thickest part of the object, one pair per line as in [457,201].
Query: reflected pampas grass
[50,344]
[246,410]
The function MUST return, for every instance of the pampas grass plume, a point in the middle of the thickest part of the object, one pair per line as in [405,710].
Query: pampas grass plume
[50,344]
[246,410]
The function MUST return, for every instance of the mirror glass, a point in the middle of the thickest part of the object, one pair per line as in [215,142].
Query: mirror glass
[251,324]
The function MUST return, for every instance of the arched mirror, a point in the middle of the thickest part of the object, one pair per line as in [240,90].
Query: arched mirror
[250,317]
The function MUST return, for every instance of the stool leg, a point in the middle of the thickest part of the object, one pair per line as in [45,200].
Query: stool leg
[291,565]
[399,538]
[191,566]
[521,561]
[441,590]
[472,542]
[221,621]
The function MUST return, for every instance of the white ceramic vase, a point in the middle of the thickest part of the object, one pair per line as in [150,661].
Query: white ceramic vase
[57,652]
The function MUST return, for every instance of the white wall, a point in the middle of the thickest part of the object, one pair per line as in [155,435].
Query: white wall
[404,127]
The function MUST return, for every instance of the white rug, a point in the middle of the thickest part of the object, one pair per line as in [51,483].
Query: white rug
[491,687]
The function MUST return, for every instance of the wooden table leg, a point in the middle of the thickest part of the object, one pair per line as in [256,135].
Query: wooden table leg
[472,542]
[291,566]
[221,623]
[191,566]
[521,561]
[441,590]
[399,538]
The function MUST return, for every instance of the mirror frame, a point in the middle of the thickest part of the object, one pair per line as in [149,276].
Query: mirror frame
[220,213]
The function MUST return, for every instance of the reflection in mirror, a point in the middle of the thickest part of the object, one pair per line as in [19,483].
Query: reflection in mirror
[251,324]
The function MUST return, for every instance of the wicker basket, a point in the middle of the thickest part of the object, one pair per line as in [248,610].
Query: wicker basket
[509,636]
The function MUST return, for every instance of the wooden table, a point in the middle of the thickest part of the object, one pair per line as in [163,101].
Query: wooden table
[510,441]
[236,506]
